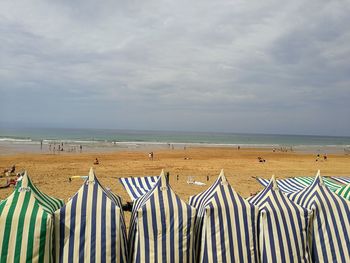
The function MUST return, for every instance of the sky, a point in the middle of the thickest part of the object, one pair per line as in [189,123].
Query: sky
[230,66]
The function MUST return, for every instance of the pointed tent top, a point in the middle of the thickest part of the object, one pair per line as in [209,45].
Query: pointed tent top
[24,180]
[24,174]
[91,177]
[318,178]
[223,178]
[274,182]
[163,180]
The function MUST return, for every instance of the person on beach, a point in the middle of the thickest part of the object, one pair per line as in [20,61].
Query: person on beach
[317,157]
[325,157]
[96,162]
[81,148]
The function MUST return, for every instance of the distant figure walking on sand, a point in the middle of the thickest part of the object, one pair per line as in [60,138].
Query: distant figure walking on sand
[150,156]
[325,157]
[41,144]
[96,162]
[81,148]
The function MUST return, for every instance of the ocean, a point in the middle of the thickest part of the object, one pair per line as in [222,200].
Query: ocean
[134,139]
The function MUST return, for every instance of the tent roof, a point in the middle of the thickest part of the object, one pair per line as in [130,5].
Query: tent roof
[48,203]
[331,223]
[344,192]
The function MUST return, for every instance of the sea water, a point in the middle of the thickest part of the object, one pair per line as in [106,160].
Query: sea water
[133,138]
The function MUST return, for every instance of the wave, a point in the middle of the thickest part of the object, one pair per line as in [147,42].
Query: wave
[14,140]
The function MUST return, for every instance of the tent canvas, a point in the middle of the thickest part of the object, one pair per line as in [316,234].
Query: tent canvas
[161,226]
[138,186]
[344,192]
[90,227]
[290,185]
[330,237]
[283,227]
[26,224]
[226,225]
[49,203]
[341,179]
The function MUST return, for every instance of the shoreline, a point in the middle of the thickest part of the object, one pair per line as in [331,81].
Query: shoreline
[17,147]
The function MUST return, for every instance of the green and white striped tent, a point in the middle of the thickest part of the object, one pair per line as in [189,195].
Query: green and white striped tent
[49,203]
[344,192]
[26,224]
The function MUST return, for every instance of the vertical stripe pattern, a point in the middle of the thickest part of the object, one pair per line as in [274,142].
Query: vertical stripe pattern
[91,227]
[48,203]
[330,238]
[161,226]
[283,227]
[26,225]
[226,225]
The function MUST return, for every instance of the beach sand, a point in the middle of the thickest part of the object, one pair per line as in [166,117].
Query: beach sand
[51,172]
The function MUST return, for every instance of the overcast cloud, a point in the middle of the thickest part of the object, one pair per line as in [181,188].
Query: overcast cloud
[236,66]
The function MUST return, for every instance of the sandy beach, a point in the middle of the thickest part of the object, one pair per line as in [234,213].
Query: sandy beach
[51,172]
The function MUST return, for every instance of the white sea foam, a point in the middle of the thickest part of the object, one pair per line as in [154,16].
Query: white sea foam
[14,140]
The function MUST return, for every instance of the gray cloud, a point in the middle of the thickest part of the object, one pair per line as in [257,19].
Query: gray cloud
[240,66]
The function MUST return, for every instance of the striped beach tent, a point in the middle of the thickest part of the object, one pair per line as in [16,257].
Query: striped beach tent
[344,192]
[283,227]
[138,186]
[340,179]
[26,224]
[49,203]
[226,225]
[295,184]
[91,227]
[333,186]
[288,185]
[161,226]
[331,222]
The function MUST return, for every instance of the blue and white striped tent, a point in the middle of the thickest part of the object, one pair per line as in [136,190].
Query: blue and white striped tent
[288,185]
[295,184]
[226,225]
[161,226]
[283,227]
[341,179]
[138,186]
[331,222]
[91,227]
